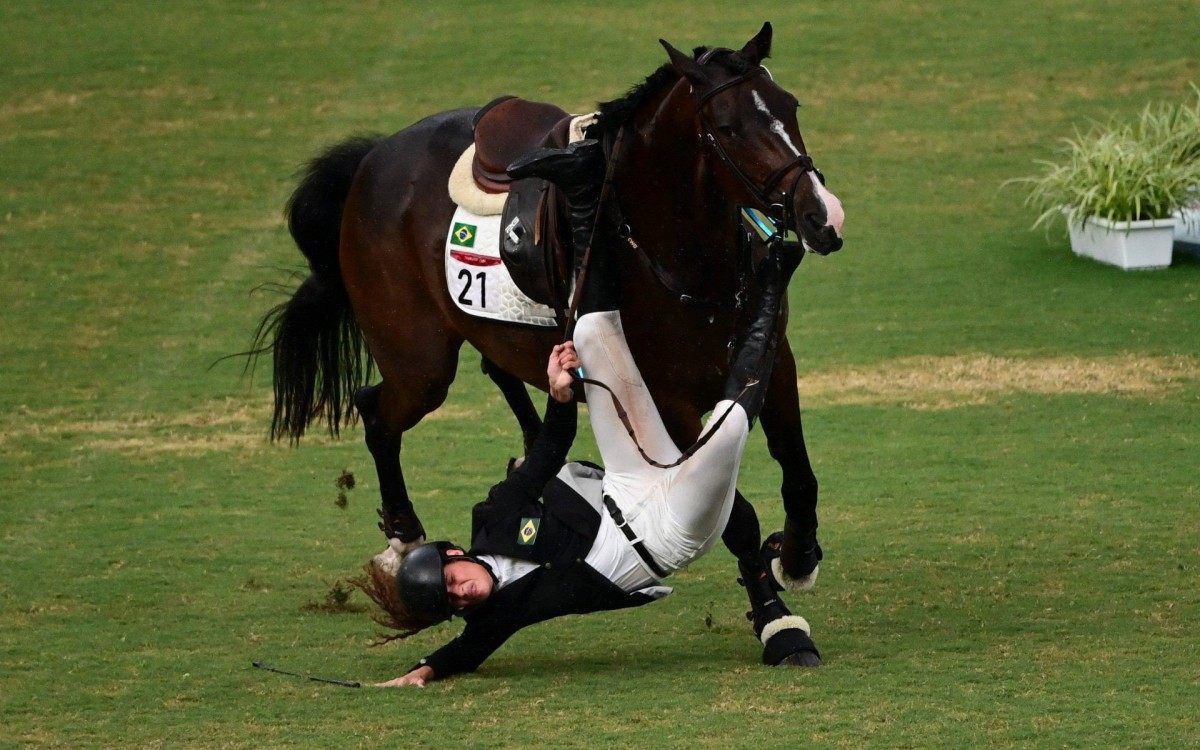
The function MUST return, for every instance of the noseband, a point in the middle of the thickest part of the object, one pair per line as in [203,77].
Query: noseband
[782,214]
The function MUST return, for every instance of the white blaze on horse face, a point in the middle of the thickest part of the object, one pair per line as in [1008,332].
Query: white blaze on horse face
[834,214]
[776,123]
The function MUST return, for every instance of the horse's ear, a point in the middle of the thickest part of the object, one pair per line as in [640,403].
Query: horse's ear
[758,48]
[685,66]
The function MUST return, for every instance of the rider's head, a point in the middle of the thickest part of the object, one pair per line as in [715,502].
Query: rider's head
[426,586]
[439,580]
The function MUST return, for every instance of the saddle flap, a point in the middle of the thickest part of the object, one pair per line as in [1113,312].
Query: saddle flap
[533,244]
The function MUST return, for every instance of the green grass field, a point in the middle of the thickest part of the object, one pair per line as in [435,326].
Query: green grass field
[1007,436]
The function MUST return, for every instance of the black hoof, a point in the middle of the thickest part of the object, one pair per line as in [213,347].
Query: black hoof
[405,527]
[798,557]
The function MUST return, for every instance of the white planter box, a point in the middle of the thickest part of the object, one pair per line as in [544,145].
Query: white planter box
[1188,228]
[1125,244]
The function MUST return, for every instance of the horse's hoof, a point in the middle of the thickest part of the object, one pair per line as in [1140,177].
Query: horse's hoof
[791,569]
[786,643]
[782,581]
[801,659]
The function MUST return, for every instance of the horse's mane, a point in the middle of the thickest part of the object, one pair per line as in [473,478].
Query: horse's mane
[615,113]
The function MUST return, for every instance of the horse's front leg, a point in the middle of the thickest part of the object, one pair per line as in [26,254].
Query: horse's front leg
[781,424]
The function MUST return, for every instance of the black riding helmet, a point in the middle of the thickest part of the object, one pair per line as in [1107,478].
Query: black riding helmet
[422,584]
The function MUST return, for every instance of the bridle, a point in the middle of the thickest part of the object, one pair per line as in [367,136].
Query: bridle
[770,222]
[781,213]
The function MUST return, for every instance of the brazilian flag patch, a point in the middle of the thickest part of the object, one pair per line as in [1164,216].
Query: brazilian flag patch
[463,235]
[529,530]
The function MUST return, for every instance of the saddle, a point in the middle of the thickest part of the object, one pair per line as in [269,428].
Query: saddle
[506,129]
[534,244]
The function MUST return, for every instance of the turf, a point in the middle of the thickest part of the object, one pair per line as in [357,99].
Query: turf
[1006,435]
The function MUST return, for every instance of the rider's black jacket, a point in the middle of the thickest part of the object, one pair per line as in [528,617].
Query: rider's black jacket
[535,515]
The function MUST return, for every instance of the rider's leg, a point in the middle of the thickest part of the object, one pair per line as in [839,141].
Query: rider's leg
[600,341]
[700,491]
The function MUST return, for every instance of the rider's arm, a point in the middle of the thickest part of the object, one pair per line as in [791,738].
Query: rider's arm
[549,451]
[465,653]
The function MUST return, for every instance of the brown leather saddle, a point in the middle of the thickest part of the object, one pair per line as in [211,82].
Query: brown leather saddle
[534,242]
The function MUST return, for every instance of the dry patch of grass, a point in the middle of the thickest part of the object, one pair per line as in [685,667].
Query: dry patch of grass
[42,102]
[933,383]
[222,425]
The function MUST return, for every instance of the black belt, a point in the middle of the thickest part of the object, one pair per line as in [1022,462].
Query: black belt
[638,546]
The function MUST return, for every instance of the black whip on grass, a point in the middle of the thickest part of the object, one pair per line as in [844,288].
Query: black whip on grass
[314,678]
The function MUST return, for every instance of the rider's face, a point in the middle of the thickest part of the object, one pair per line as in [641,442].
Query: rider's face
[468,583]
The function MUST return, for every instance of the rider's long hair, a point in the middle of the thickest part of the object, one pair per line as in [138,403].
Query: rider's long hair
[380,587]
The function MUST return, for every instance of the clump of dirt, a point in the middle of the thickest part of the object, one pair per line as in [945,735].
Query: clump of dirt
[345,482]
[336,601]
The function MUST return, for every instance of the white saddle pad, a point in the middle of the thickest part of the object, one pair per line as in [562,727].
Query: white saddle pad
[477,279]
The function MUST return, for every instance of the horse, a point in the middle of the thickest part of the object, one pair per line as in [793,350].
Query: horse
[700,137]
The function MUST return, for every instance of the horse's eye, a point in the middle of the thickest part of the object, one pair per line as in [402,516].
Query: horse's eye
[726,130]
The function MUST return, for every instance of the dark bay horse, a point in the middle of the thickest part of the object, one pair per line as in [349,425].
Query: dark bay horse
[703,135]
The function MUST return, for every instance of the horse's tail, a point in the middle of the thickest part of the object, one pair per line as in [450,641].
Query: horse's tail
[318,350]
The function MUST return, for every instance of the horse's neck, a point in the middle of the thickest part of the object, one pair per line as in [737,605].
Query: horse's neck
[677,222]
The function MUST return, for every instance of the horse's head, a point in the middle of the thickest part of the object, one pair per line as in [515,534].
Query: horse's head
[755,153]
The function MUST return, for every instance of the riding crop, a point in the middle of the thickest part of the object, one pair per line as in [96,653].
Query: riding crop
[314,678]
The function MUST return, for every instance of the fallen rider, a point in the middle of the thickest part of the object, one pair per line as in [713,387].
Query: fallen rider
[555,539]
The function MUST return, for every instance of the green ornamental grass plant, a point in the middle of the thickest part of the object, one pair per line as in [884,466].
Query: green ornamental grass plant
[1122,172]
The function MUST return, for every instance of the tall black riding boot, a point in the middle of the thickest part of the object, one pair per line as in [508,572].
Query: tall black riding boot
[754,356]
[578,170]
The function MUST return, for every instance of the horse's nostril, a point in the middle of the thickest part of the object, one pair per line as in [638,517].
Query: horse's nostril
[833,241]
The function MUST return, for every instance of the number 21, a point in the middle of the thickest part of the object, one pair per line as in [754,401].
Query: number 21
[482,278]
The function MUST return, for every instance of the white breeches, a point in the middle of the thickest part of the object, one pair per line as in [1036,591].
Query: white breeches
[680,512]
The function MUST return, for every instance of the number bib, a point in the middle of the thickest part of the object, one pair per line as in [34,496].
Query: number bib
[476,278]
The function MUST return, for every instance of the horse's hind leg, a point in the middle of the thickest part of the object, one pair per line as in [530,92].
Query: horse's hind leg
[518,400]
[388,410]
[400,519]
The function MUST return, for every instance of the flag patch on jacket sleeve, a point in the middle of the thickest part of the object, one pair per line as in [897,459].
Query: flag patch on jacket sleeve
[529,530]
